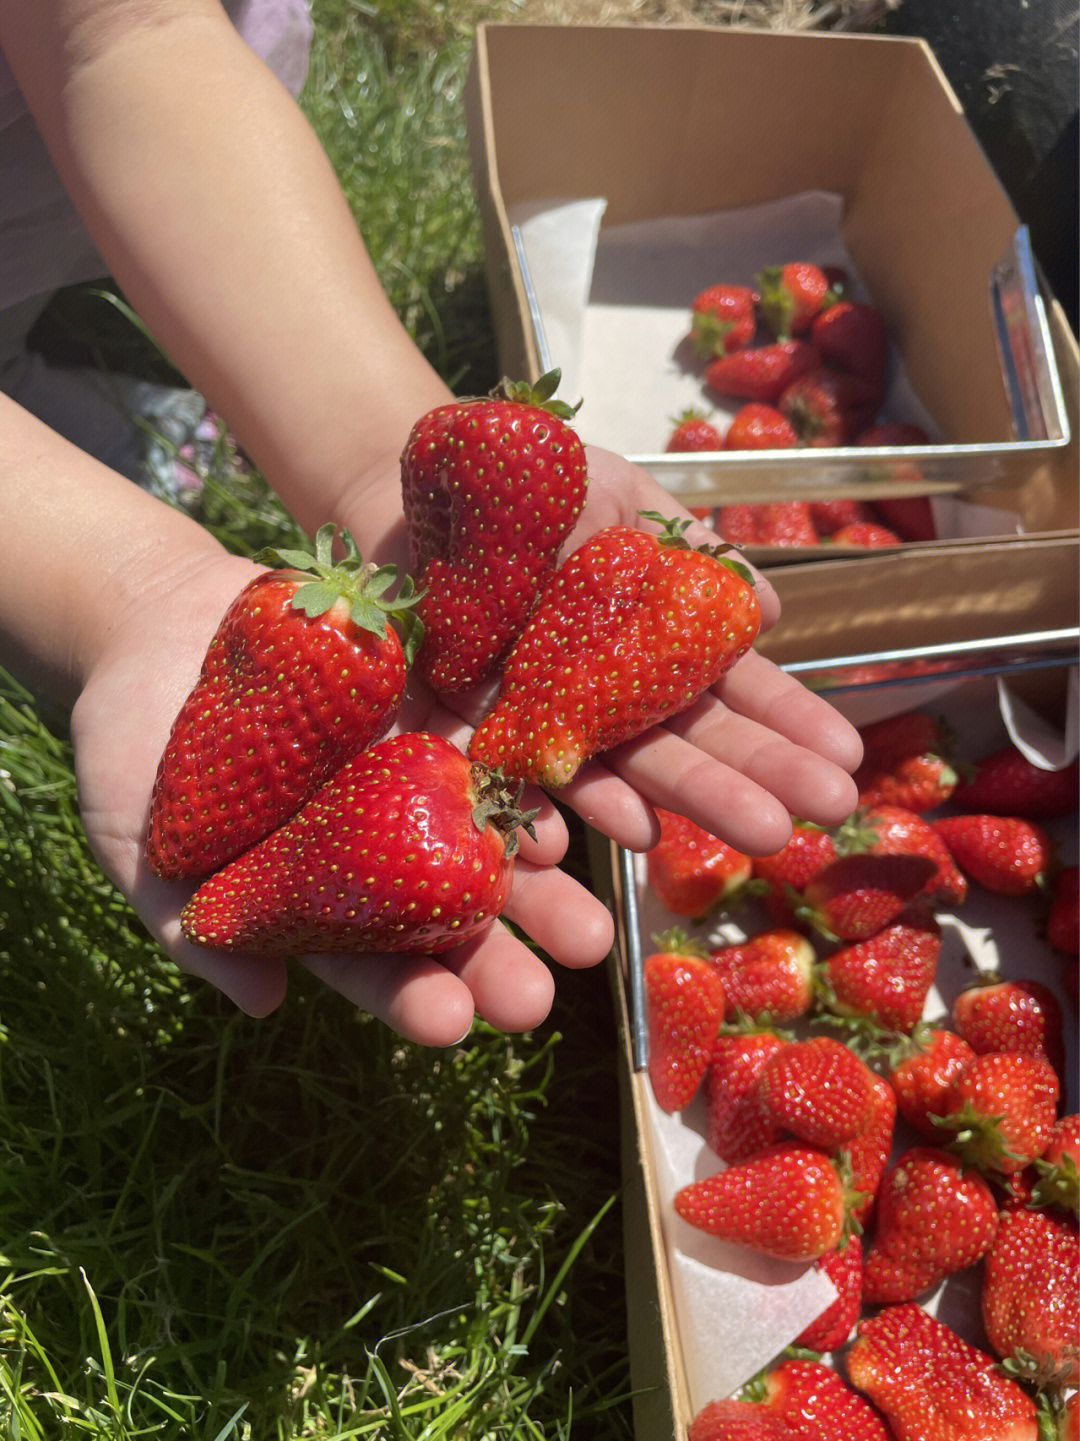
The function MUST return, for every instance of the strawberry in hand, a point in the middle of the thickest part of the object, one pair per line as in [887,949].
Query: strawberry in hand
[303,672]
[491,490]
[632,629]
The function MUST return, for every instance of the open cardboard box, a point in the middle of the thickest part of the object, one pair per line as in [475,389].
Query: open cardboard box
[670,126]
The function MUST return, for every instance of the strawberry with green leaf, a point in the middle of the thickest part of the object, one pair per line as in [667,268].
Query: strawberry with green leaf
[692,430]
[723,319]
[906,762]
[923,1067]
[491,489]
[633,627]
[791,295]
[998,1113]
[305,670]
[1030,1295]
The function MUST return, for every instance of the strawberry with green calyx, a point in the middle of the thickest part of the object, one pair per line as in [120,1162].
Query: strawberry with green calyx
[906,762]
[409,847]
[1029,1299]
[1007,783]
[814,1401]
[1057,1170]
[723,319]
[934,1386]
[304,671]
[826,407]
[690,871]
[923,1067]
[998,1113]
[769,976]
[855,896]
[736,1421]
[789,1201]
[737,1125]
[1004,854]
[818,1090]
[934,1218]
[886,829]
[684,1006]
[1011,1015]
[760,373]
[886,978]
[692,430]
[633,628]
[844,1268]
[791,295]
[491,488]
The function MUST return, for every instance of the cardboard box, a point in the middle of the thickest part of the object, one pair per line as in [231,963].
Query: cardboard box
[686,122]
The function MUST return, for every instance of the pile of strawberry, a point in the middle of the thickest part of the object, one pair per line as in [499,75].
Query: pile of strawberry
[807,365]
[280,789]
[892,1151]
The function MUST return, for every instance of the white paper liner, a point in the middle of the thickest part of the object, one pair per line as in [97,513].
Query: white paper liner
[735,1313]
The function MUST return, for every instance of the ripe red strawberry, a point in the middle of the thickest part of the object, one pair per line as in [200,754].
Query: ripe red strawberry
[886,830]
[922,1074]
[1000,1111]
[887,977]
[787,1201]
[906,762]
[1005,854]
[815,1402]
[723,319]
[911,516]
[491,488]
[759,427]
[933,1218]
[762,372]
[868,1153]
[1030,1293]
[853,336]
[893,433]
[1057,1170]
[737,1125]
[867,534]
[769,977]
[408,847]
[844,1268]
[1021,1015]
[819,1090]
[781,522]
[855,896]
[302,672]
[633,627]
[934,1386]
[736,1421]
[798,862]
[684,1001]
[829,516]
[1063,913]
[791,295]
[693,430]
[1006,783]
[691,871]
[828,407]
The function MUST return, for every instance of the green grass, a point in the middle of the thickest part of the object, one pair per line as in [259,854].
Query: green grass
[213,1227]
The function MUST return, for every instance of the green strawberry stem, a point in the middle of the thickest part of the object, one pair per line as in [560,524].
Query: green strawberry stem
[498,803]
[977,1139]
[673,534]
[1058,1185]
[677,942]
[541,394]
[363,585]
[776,304]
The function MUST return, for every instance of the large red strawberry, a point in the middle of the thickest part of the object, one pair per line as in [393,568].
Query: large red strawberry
[819,1090]
[922,1074]
[906,762]
[787,1201]
[736,1421]
[999,1111]
[491,488]
[1021,1015]
[769,977]
[684,1001]
[1007,783]
[1030,1293]
[693,431]
[828,407]
[1006,854]
[691,871]
[792,868]
[894,830]
[762,372]
[303,671]
[791,295]
[886,978]
[723,318]
[1063,911]
[815,1402]
[844,1268]
[934,1386]
[853,336]
[933,1218]
[737,1125]
[868,1152]
[409,847]
[633,627]
[855,896]
[755,426]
